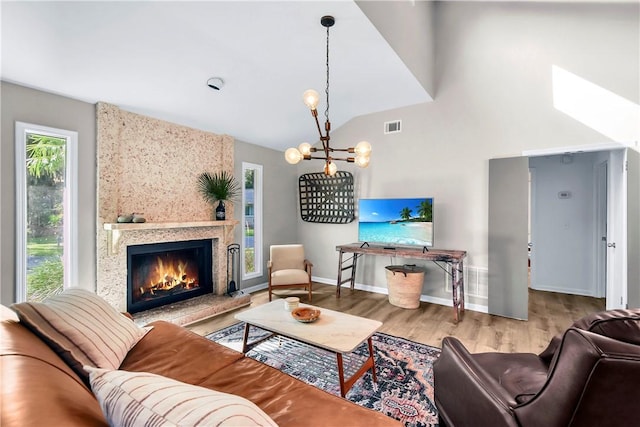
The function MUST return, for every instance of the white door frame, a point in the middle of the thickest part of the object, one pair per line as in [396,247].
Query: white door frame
[617,231]
[601,232]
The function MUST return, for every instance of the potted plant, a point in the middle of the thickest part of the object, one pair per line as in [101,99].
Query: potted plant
[220,187]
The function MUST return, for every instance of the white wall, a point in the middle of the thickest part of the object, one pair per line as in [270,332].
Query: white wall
[494,98]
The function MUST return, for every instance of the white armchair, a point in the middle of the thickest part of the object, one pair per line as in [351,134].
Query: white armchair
[288,268]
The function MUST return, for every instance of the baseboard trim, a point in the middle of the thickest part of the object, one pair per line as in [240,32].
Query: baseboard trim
[425,298]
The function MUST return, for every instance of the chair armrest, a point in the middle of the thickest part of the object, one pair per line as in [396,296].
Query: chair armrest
[465,391]
[307,266]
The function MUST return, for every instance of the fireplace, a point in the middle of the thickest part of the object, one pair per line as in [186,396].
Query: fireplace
[165,273]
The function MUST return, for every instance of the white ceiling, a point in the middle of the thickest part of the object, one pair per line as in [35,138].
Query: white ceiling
[154,58]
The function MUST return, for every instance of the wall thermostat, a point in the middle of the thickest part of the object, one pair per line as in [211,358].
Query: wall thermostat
[564,195]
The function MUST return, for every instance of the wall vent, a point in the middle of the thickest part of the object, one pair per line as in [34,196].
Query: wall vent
[394,126]
[476,281]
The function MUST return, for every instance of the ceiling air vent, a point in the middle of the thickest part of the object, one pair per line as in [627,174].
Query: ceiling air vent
[393,127]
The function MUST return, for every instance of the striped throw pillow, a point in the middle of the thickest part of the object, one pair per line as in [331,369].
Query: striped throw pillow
[145,399]
[82,328]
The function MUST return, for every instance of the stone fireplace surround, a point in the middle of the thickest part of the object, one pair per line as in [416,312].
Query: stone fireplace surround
[150,167]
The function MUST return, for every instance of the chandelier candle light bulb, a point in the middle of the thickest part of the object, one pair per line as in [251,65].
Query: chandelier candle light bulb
[305,149]
[330,168]
[292,155]
[311,98]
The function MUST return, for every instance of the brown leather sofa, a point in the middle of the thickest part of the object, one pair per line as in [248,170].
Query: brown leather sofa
[39,389]
[587,376]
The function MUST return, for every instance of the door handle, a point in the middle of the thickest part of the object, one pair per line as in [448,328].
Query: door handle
[611,245]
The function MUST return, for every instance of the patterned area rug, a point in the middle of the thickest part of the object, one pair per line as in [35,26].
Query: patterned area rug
[404,369]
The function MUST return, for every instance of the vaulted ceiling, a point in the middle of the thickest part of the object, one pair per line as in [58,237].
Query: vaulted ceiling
[154,58]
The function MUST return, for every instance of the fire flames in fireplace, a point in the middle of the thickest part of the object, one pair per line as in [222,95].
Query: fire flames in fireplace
[167,272]
[167,278]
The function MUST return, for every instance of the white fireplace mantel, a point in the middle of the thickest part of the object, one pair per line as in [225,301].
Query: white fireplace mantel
[115,230]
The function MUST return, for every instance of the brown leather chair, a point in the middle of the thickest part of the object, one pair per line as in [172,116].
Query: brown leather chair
[288,268]
[587,376]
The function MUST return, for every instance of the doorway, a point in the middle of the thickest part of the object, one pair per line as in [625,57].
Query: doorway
[563,204]
[564,212]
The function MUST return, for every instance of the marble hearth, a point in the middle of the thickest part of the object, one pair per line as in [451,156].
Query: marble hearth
[193,310]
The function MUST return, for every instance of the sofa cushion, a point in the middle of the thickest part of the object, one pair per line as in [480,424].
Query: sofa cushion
[142,398]
[289,277]
[175,352]
[82,328]
[37,388]
[522,375]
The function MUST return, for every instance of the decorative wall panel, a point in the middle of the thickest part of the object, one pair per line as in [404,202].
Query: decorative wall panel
[327,199]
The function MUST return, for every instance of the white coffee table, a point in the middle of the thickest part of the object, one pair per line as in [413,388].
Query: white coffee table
[337,332]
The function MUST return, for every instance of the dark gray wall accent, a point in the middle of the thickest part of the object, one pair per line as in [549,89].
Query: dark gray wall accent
[33,106]
[280,202]
[633,228]
[508,216]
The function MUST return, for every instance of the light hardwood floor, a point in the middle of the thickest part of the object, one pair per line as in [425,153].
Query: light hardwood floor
[549,314]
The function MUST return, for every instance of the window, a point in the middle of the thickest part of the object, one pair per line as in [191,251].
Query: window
[46,218]
[251,220]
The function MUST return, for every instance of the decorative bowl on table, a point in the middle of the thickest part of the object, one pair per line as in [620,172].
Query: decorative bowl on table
[305,314]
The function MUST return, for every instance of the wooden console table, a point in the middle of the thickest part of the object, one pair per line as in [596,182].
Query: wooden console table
[450,257]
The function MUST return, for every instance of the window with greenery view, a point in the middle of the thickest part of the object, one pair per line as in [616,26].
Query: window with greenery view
[43,236]
[251,220]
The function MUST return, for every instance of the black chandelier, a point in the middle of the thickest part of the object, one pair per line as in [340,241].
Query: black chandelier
[311,98]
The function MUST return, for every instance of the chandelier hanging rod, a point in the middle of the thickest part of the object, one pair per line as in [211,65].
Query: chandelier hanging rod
[311,98]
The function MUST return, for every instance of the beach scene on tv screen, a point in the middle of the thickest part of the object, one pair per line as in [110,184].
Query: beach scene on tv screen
[396,221]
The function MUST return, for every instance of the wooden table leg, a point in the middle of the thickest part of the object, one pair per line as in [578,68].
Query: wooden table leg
[461,266]
[457,282]
[370,363]
[343,387]
[339,282]
[373,361]
[353,271]
[245,337]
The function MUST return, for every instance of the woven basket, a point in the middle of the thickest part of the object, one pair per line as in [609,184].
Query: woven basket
[405,285]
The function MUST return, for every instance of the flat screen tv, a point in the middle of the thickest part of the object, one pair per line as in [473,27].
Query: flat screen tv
[396,222]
